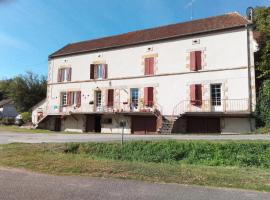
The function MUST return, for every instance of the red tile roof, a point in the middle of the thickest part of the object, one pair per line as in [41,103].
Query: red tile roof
[226,21]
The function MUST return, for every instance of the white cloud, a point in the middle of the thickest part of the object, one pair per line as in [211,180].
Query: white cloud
[190,3]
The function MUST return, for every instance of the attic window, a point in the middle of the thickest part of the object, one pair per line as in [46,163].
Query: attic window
[196,41]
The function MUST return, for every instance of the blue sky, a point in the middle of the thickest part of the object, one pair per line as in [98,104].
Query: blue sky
[30,30]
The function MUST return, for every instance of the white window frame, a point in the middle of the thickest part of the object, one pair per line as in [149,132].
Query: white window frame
[64,99]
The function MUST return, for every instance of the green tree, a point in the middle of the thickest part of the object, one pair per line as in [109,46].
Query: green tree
[4,86]
[262,65]
[27,90]
[262,25]
[263,105]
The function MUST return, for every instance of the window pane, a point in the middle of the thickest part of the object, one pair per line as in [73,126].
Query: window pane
[216,94]
[134,97]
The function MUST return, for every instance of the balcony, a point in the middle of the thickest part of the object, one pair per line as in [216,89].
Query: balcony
[226,106]
[117,107]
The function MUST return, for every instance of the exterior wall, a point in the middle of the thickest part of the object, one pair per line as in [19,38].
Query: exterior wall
[74,123]
[115,127]
[224,61]
[237,125]
[236,87]
[39,111]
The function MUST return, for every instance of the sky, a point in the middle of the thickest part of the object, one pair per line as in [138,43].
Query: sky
[30,30]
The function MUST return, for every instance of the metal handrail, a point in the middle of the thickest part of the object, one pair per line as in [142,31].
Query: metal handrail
[226,105]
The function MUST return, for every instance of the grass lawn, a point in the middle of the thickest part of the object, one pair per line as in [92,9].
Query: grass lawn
[52,159]
[17,129]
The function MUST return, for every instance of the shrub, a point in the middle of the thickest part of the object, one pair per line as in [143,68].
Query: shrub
[26,117]
[263,105]
[8,121]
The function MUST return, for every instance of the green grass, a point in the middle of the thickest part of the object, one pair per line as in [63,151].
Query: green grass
[54,159]
[210,153]
[17,129]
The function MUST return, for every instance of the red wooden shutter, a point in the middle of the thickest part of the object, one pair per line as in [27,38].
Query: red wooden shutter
[150,96]
[146,66]
[193,61]
[145,96]
[59,75]
[192,94]
[68,98]
[151,65]
[198,94]
[110,98]
[78,99]
[198,55]
[92,71]
[69,74]
[104,71]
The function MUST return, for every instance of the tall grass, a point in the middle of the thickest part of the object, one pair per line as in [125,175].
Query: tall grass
[244,154]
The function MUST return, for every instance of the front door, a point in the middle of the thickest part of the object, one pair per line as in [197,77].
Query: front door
[57,124]
[216,99]
[97,123]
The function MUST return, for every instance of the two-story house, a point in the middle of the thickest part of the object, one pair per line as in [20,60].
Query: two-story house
[195,77]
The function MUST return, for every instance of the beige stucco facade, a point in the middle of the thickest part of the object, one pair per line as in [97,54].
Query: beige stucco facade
[224,61]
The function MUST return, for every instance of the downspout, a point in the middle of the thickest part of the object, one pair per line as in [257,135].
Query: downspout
[249,75]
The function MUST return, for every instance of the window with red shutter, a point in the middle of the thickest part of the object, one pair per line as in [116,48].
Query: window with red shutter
[149,66]
[104,71]
[198,55]
[78,99]
[92,71]
[195,60]
[192,89]
[146,66]
[110,97]
[69,70]
[196,94]
[149,96]
[69,98]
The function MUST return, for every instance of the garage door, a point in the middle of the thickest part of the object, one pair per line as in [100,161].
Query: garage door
[203,125]
[143,125]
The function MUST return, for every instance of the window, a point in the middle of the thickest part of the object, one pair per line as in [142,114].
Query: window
[71,98]
[149,66]
[148,96]
[98,98]
[195,60]
[98,71]
[134,97]
[216,94]
[196,94]
[64,99]
[64,74]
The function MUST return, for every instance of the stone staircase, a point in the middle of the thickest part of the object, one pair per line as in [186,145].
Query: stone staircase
[165,123]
